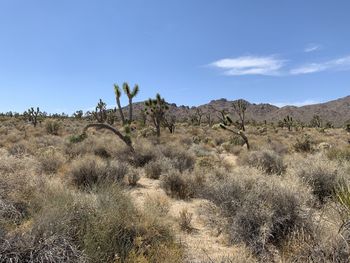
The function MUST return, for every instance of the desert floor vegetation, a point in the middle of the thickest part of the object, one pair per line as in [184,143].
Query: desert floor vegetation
[194,195]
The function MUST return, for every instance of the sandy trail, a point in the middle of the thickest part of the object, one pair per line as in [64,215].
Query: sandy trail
[204,243]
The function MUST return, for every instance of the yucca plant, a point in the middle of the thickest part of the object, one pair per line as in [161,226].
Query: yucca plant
[342,194]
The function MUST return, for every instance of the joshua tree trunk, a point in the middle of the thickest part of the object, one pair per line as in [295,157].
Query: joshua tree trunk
[125,139]
[130,110]
[121,111]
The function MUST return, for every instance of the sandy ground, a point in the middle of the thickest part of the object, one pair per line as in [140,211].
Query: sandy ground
[205,242]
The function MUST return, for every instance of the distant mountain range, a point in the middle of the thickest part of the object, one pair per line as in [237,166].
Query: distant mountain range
[335,111]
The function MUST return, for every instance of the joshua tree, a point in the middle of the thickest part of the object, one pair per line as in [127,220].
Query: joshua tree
[131,94]
[316,121]
[221,114]
[125,138]
[78,114]
[288,122]
[118,94]
[100,113]
[156,109]
[196,119]
[111,116]
[240,107]
[169,122]
[226,126]
[33,115]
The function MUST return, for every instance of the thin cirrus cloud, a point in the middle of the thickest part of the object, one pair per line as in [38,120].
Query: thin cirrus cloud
[273,66]
[335,65]
[249,65]
[311,48]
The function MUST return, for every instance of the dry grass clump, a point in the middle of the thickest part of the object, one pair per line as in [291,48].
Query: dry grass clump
[26,248]
[304,144]
[52,127]
[321,174]
[50,160]
[265,160]
[157,204]
[155,169]
[182,185]
[262,211]
[89,171]
[101,226]
[339,154]
[185,220]
[133,176]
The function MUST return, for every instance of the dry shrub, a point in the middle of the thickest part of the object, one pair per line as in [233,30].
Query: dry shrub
[116,231]
[133,177]
[88,171]
[321,174]
[145,153]
[337,154]
[323,245]
[266,160]
[19,149]
[157,205]
[50,160]
[27,248]
[181,185]
[104,225]
[181,159]
[52,127]
[305,144]
[155,169]
[261,211]
[185,220]
[16,188]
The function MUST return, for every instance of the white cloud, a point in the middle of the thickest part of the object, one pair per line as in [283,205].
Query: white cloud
[250,65]
[297,104]
[311,48]
[336,64]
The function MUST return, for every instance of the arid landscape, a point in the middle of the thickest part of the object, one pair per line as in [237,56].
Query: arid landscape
[108,186]
[174,131]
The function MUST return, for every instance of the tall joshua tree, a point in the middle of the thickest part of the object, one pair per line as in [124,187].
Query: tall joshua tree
[156,109]
[131,94]
[118,94]
[240,107]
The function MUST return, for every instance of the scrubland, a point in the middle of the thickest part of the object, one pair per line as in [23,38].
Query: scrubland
[196,195]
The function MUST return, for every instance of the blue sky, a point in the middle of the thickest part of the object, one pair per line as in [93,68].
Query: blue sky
[64,55]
